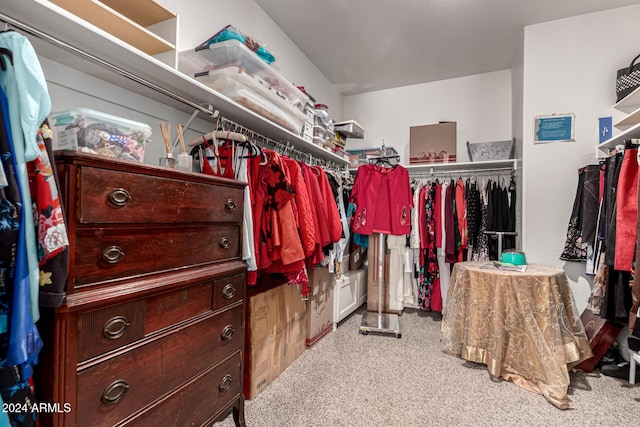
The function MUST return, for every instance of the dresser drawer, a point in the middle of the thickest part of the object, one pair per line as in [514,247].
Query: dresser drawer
[112,390]
[217,388]
[174,307]
[228,290]
[107,329]
[103,254]
[116,197]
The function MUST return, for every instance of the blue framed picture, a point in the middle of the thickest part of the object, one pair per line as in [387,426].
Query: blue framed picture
[605,125]
[554,128]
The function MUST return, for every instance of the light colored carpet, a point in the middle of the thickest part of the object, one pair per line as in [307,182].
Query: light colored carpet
[349,379]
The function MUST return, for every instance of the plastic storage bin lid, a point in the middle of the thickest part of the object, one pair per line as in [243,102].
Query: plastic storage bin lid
[232,53]
[65,117]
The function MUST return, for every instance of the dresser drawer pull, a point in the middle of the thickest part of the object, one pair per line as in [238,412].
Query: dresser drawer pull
[230,205]
[115,327]
[225,243]
[225,383]
[229,291]
[119,197]
[227,333]
[113,254]
[115,392]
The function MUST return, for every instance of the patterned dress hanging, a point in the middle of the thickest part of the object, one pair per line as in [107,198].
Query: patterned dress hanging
[429,273]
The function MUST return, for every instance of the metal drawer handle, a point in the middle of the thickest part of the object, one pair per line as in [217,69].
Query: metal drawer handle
[229,291]
[230,205]
[114,392]
[227,333]
[225,243]
[225,383]
[119,197]
[113,254]
[115,327]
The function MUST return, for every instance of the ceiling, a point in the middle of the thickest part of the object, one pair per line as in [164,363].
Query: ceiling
[367,45]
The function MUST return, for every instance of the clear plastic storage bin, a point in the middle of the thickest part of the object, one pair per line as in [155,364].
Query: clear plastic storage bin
[250,91]
[100,133]
[350,129]
[232,53]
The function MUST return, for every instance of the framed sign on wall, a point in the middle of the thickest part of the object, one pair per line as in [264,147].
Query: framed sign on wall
[554,128]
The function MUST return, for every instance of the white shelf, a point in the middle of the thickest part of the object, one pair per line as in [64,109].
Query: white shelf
[628,123]
[125,20]
[629,120]
[629,103]
[122,64]
[630,133]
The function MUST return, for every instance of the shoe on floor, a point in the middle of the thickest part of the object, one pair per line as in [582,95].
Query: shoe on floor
[621,370]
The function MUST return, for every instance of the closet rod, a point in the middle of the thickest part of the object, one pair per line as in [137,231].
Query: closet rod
[282,147]
[37,33]
[458,171]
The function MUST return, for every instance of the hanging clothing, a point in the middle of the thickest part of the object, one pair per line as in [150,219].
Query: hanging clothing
[574,248]
[306,224]
[582,224]
[461,212]
[626,211]
[443,266]
[481,251]
[53,241]
[450,224]
[339,248]
[473,214]
[613,175]
[28,104]
[333,216]
[617,297]
[590,202]
[429,295]
[396,246]
[24,341]
[383,200]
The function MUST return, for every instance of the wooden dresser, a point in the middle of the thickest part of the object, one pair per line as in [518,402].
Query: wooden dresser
[152,330]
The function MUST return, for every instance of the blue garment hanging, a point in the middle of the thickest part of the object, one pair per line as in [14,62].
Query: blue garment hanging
[28,104]
[24,340]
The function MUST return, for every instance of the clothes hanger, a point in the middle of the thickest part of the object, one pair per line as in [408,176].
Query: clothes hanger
[7,28]
[387,160]
[217,134]
[5,52]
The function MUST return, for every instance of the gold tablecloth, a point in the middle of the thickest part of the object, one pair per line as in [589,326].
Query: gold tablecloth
[523,325]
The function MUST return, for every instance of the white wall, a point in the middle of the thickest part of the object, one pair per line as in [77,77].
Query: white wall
[569,66]
[480,104]
[517,89]
[200,19]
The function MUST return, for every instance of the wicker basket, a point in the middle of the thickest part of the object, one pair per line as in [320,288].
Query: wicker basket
[489,151]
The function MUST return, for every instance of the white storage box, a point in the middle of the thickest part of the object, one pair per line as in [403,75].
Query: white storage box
[233,53]
[350,129]
[491,150]
[100,133]
[249,91]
